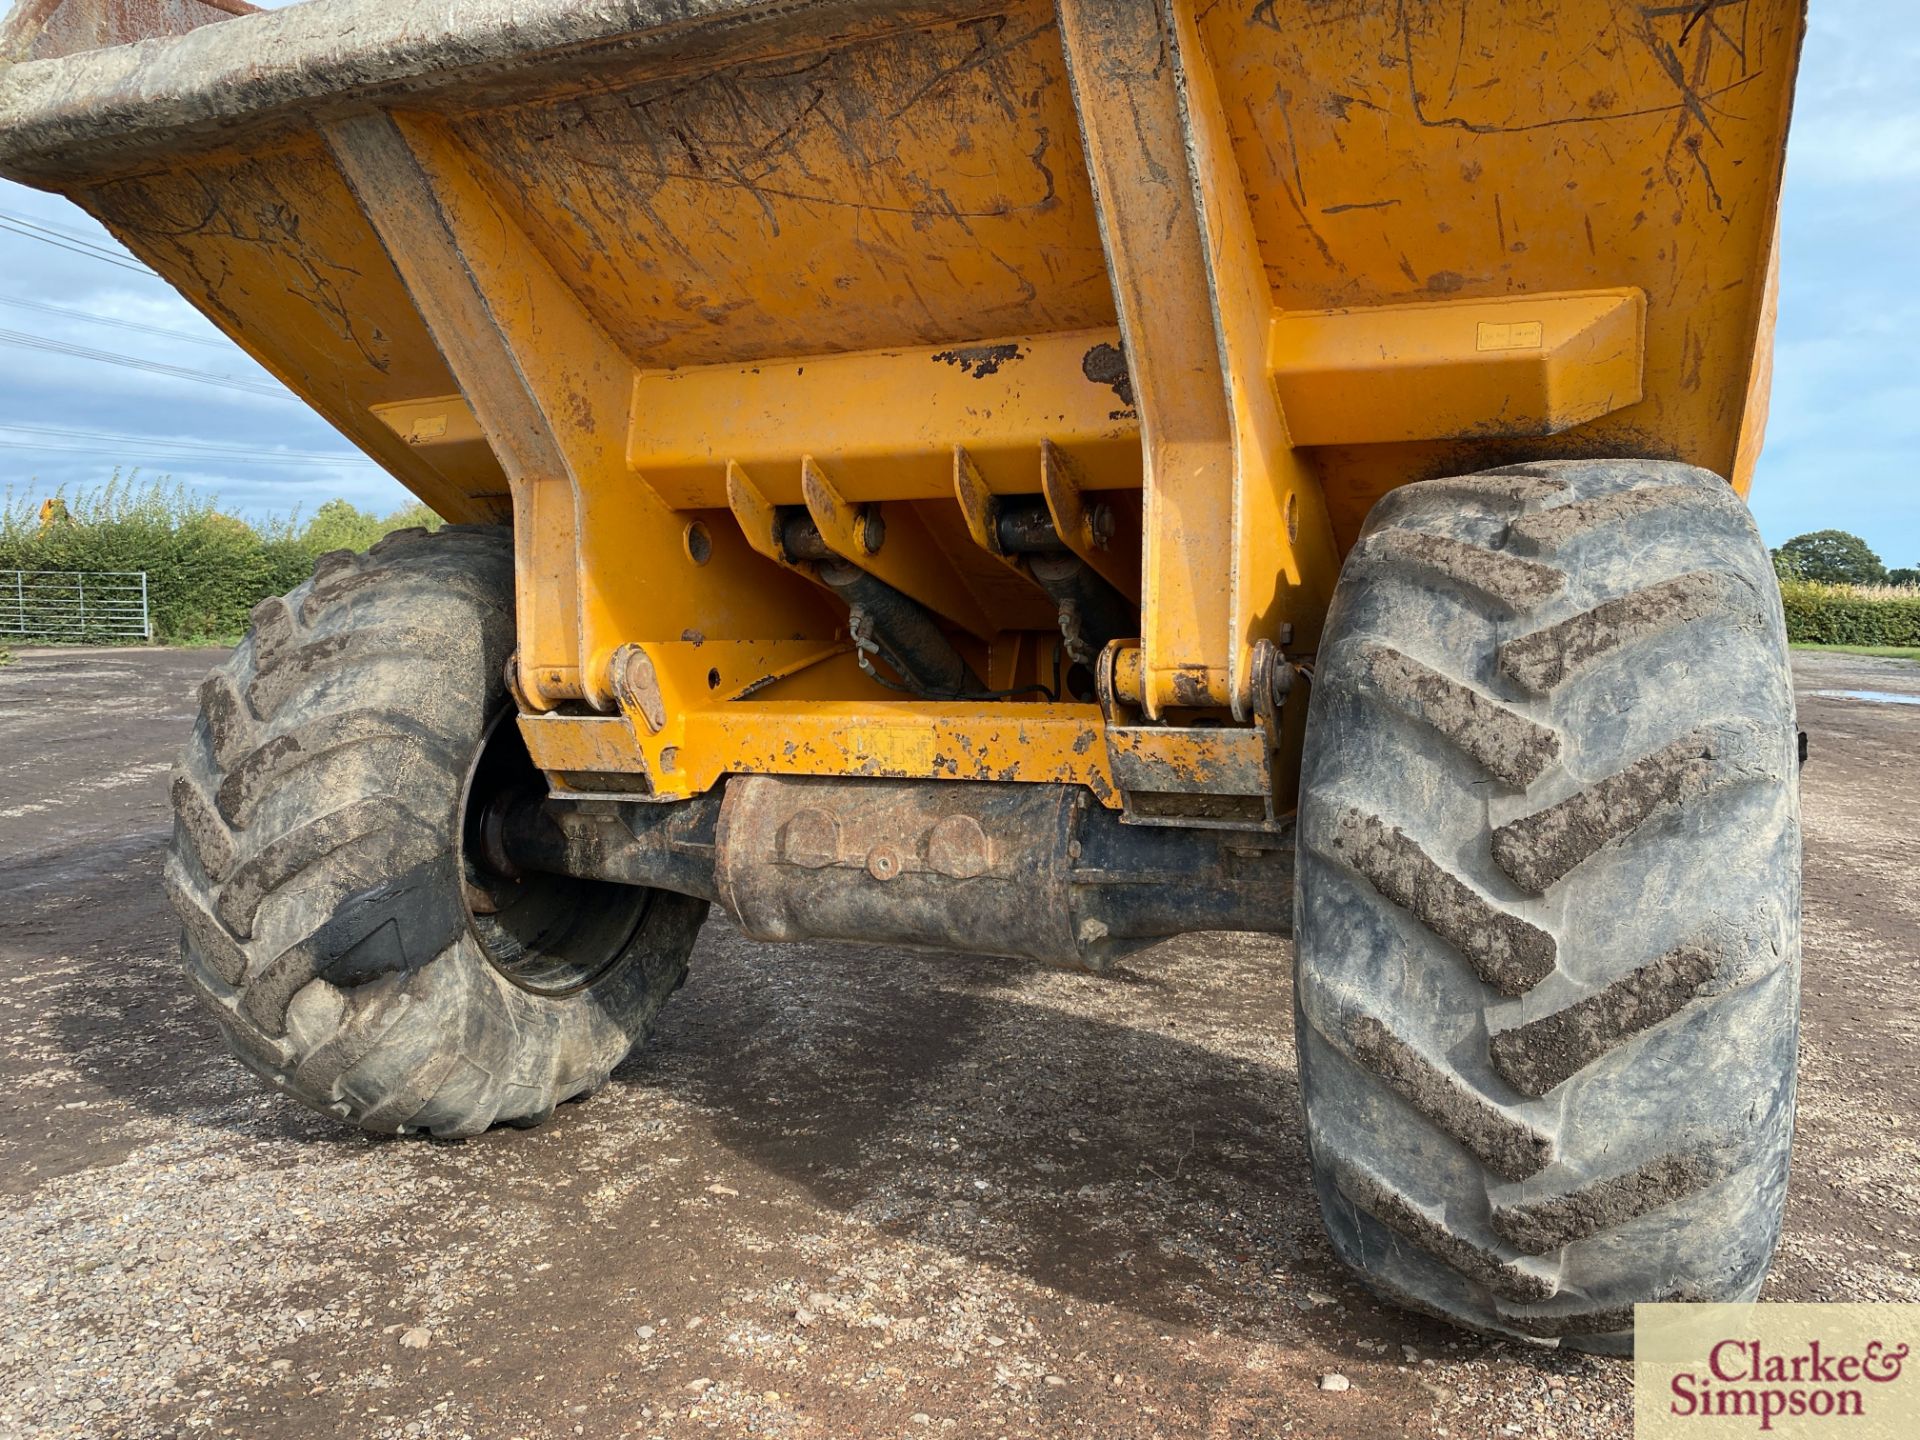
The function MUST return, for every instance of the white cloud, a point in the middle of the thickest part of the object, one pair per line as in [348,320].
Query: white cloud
[1864,149]
[74,394]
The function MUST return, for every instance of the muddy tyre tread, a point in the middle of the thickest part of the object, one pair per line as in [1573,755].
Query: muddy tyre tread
[1552,701]
[313,857]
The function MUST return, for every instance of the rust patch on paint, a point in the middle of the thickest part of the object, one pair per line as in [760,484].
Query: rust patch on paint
[980,361]
[1106,365]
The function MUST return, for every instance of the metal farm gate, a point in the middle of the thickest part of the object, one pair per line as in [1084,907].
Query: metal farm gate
[82,606]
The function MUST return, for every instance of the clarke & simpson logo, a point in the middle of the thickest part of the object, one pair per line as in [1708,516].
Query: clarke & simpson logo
[1744,1378]
[1800,1372]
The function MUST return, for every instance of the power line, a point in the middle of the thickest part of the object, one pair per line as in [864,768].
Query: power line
[166,442]
[132,362]
[187,441]
[85,237]
[67,232]
[116,445]
[122,453]
[259,459]
[92,252]
[117,324]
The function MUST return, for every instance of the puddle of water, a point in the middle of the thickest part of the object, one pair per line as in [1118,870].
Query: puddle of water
[1872,697]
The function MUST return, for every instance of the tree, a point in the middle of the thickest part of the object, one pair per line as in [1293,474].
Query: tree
[1832,557]
[413,513]
[1906,575]
[341,525]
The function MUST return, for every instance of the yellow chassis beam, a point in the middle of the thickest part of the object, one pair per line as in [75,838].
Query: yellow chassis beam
[909,741]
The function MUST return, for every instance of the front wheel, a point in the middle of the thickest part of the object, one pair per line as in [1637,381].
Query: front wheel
[335,919]
[1548,918]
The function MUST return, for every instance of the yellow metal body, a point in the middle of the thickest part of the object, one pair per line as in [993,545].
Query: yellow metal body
[1223,274]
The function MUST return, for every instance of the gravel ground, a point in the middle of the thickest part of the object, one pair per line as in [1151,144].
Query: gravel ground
[848,1191]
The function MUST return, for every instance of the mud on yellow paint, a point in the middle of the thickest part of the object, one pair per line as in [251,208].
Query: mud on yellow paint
[641,283]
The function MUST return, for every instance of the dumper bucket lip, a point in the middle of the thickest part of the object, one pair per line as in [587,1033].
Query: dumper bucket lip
[78,115]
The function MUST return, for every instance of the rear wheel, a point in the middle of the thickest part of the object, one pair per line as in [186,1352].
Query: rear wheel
[336,919]
[1547,934]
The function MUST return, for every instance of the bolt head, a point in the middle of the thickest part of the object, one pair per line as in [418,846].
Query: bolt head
[1100,524]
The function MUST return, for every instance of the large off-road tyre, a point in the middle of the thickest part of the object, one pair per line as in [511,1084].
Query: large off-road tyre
[335,920]
[1548,915]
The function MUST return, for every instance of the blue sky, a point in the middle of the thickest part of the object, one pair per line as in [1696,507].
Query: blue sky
[1843,443]
[1843,446]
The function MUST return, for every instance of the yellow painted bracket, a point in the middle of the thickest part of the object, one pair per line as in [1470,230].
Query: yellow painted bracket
[759,522]
[1517,366]
[1208,760]
[434,420]
[979,508]
[1053,744]
[1114,558]
[907,558]
[883,423]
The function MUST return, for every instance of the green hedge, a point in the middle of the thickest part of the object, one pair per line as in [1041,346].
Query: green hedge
[206,569]
[1848,615]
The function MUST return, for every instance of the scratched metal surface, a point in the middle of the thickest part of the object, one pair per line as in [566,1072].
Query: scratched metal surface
[719,181]
[272,247]
[1397,151]
[913,188]
[68,117]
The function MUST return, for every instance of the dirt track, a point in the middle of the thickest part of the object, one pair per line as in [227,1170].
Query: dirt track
[852,1192]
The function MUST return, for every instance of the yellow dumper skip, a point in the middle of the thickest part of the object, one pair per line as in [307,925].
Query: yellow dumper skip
[630,274]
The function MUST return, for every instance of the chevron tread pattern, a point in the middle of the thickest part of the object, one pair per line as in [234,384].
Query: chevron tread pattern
[1510,721]
[319,909]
